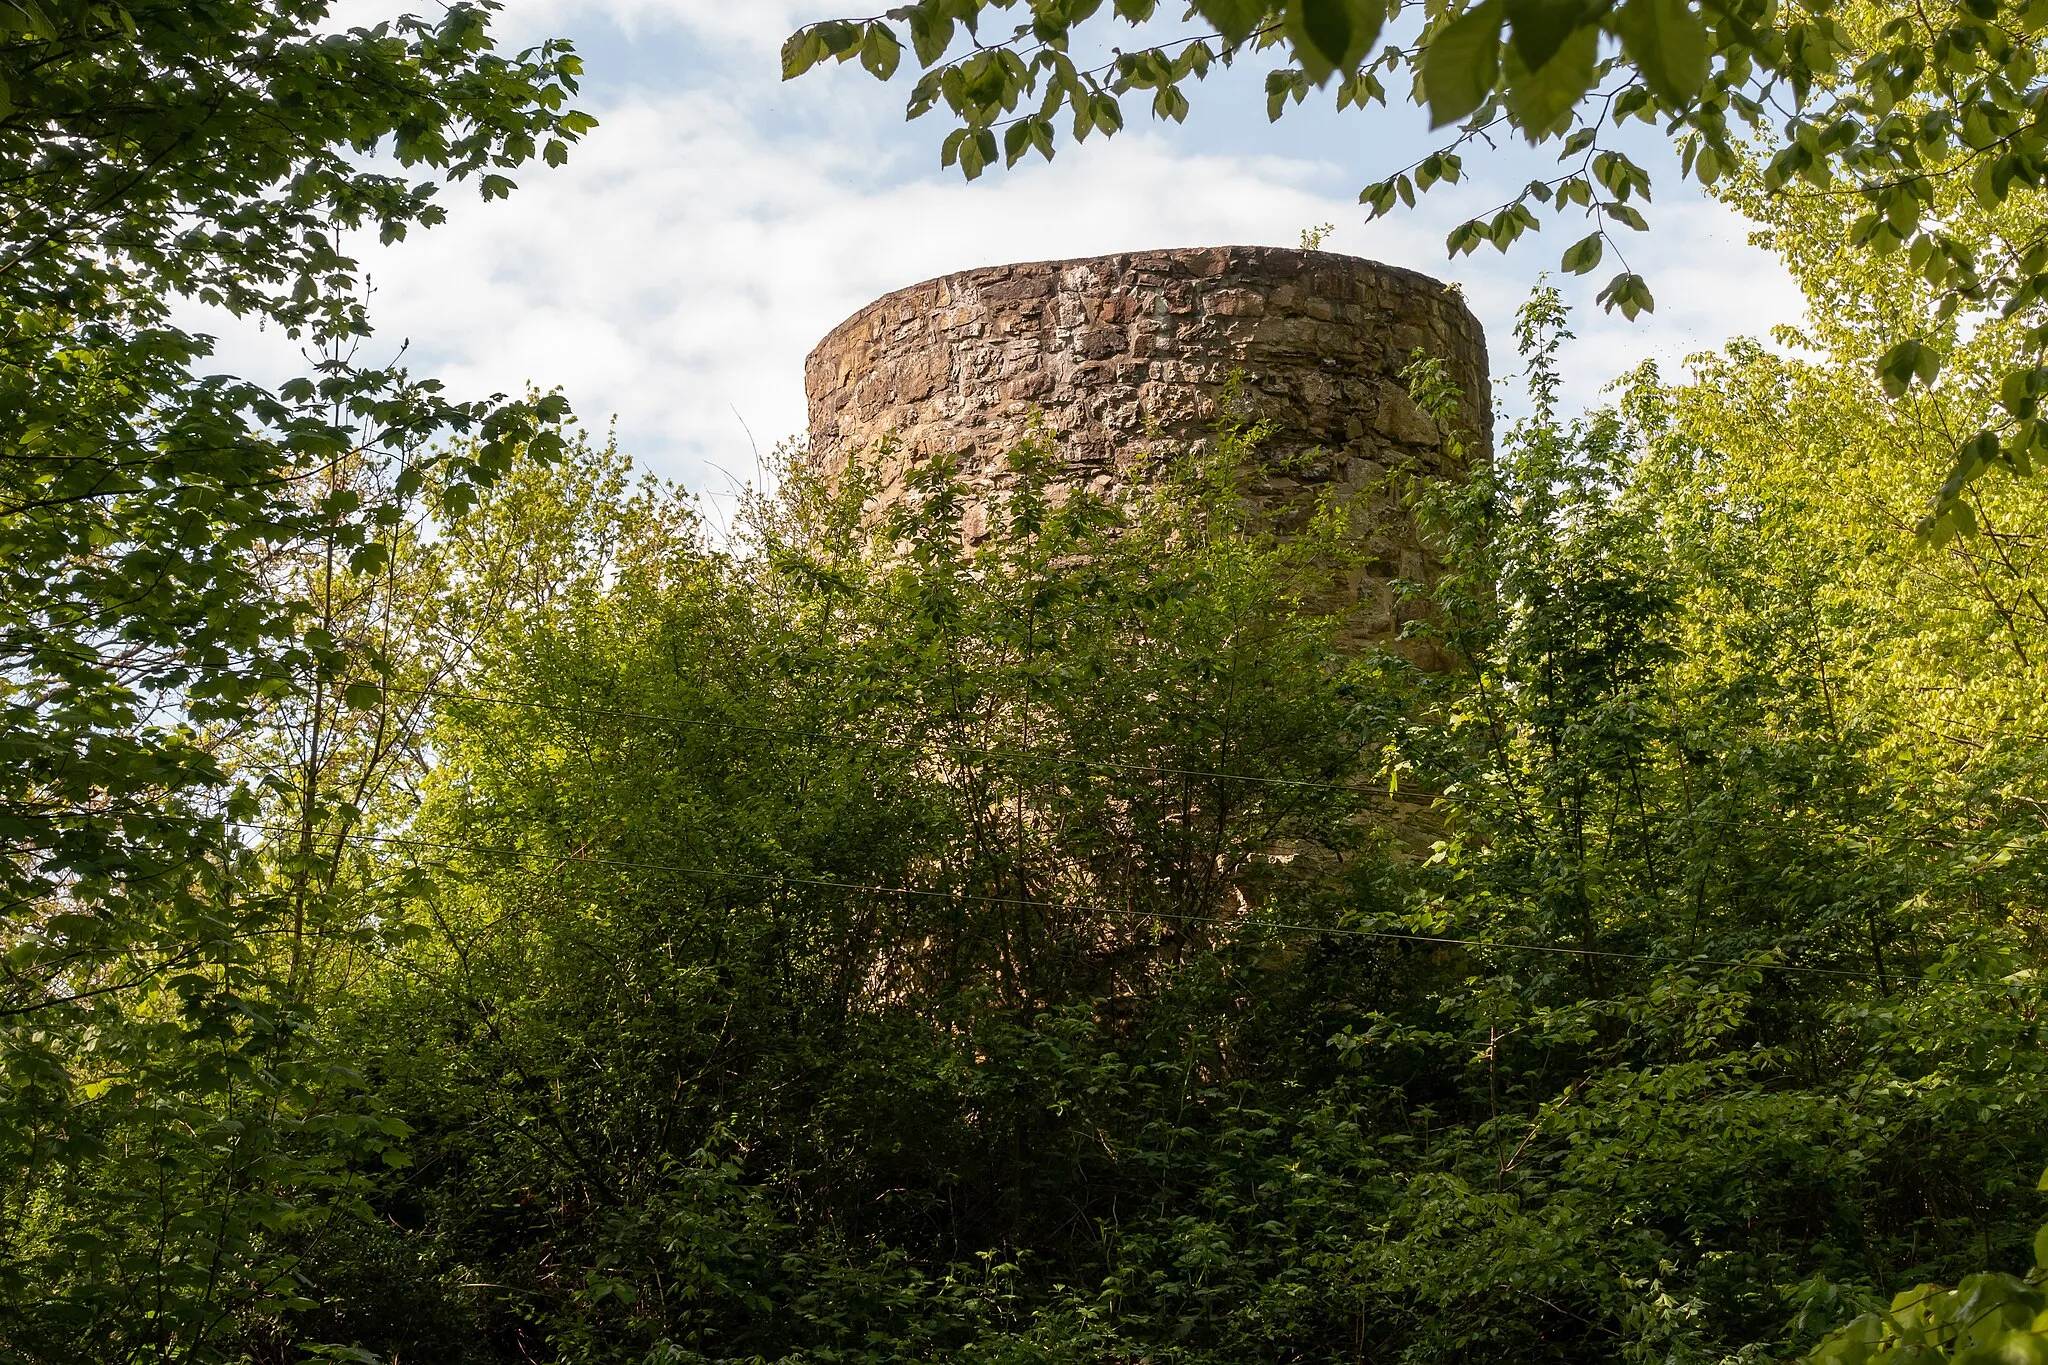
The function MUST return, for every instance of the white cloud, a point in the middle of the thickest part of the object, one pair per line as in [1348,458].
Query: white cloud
[675,279]
[710,231]
[757,24]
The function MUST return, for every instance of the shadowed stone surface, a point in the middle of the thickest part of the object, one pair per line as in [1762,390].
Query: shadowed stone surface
[1124,359]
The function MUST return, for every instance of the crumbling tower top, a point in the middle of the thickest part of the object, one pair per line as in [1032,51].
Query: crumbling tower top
[1125,358]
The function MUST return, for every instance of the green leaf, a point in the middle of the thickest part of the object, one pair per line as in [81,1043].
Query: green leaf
[26,16]
[1584,255]
[1539,28]
[1630,294]
[1282,86]
[371,557]
[1909,360]
[1234,19]
[1623,214]
[1461,63]
[801,51]
[931,33]
[1327,26]
[1668,44]
[1952,516]
[1542,100]
[2020,391]
[880,52]
[1333,35]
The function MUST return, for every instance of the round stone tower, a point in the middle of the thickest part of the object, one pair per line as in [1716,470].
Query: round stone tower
[1124,360]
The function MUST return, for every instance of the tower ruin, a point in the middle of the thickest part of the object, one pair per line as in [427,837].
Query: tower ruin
[1125,359]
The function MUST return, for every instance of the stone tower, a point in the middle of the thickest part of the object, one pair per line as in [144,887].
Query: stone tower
[1125,359]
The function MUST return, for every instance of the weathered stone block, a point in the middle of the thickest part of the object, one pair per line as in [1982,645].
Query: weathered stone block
[1124,359]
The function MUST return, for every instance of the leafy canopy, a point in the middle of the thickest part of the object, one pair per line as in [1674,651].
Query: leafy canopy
[1858,99]
[162,1128]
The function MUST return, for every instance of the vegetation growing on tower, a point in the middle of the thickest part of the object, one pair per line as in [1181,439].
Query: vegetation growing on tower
[456,908]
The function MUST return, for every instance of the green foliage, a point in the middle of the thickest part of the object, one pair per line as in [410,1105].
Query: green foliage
[1859,99]
[871,942]
[829,866]
[164,1129]
[462,911]
[1988,1319]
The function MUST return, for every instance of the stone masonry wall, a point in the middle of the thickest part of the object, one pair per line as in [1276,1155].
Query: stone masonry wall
[1124,358]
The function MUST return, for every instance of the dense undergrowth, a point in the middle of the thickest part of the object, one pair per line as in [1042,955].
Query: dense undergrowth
[456,908]
[833,943]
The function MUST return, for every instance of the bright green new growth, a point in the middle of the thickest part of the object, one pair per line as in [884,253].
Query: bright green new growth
[1853,98]
[457,909]
[168,1127]
[847,943]
[1988,1319]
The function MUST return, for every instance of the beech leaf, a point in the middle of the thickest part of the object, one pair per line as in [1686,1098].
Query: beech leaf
[1461,64]
[1668,44]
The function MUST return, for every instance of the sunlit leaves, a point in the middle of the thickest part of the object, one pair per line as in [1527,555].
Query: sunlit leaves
[1842,101]
[2021,391]
[1290,85]
[1991,1318]
[931,31]
[220,152]
[1435,169]
[973,150]
[1501,230]
[807,47]
[880,52]
[1438,166]
[1023,136]
[1620,176]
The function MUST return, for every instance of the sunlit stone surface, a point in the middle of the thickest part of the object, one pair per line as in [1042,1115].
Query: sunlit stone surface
[1124,359]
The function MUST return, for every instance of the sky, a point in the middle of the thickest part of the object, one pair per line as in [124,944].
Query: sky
[718,222]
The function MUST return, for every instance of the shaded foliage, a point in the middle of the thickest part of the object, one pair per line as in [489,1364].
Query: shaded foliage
[1915,123]
[857,944]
